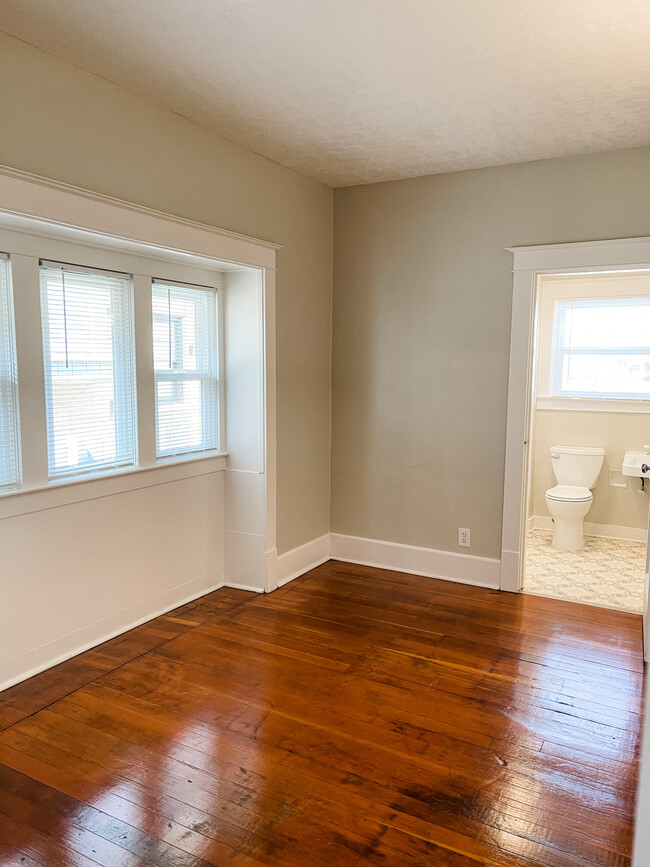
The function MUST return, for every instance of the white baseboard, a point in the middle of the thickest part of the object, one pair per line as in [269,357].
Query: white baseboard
[604,531]
[509,570]
[430,562]
[48,655]
[299,560]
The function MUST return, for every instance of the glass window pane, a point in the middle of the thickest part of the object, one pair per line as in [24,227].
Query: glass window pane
[608,324]
[185,361]
[607,374]
[89,375]
[601,348]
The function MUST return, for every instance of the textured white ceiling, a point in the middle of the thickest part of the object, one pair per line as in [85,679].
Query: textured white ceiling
[354,91]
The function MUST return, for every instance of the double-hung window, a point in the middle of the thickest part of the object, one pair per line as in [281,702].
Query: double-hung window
[186,368]
[601,348]
[96,331]
[9,451]
[88,357]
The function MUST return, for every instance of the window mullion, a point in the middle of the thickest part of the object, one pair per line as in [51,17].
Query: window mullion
[144,370]
[31,381]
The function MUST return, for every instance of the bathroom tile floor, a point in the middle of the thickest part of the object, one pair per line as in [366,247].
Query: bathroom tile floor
[607,572]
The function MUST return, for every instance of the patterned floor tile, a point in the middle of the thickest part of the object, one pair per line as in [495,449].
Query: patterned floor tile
[607,572]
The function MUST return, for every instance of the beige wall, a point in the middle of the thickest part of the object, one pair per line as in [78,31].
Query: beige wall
[421,334]
[62,123]
[616,433]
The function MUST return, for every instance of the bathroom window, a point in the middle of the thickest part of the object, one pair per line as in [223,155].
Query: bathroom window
[601,348]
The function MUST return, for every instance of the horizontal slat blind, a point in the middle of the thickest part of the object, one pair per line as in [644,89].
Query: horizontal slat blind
[89,370]
[9,452]
[186,368]
[601,348]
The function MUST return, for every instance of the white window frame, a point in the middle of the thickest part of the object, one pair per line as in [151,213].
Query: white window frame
[13,388]
[25,251]
[126,397]
[582,287]
[53,211]
[180,376]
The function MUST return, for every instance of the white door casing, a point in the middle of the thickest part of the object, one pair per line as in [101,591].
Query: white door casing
[529,263]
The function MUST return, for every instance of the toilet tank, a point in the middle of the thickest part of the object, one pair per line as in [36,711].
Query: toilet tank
[575,465]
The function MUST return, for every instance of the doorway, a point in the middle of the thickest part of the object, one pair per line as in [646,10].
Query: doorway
[586,516]
[532,266]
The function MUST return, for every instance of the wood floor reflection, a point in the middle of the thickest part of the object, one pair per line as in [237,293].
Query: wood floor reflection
[354,717]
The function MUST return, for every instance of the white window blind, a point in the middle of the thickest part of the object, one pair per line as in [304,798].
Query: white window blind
[89,370]
[186,368]
[9,452]
[601,348]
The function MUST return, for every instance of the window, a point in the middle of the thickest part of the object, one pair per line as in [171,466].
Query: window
[186,368]
[9,452]
[93,403]
[89,370]
[601,348]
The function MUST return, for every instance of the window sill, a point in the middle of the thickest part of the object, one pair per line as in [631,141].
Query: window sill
[36,499]
[591,404]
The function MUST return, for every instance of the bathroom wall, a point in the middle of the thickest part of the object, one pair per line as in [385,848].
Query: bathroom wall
[616,432]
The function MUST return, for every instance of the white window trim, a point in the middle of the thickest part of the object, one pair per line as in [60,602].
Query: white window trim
[33,206]
[556,287]
[216,373]
[551,402]
[24,267]
[63,493]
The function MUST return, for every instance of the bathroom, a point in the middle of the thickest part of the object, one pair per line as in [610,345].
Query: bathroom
[587,506]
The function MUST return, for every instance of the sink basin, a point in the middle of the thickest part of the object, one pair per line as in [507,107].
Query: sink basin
[632,463]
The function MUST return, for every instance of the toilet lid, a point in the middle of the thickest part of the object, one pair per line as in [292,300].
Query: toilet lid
[569,494]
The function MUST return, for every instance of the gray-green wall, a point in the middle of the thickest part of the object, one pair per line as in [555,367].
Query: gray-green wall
[422,300]
[66,124]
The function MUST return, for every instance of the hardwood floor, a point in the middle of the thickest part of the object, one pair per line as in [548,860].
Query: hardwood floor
[354,717]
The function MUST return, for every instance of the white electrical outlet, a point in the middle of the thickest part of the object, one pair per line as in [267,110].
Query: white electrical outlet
[463,537]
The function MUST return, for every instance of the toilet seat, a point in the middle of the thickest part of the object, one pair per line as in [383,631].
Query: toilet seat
[569,494]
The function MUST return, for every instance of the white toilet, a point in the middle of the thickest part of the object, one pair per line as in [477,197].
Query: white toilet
[576,470]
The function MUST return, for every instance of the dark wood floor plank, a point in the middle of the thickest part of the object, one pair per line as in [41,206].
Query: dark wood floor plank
[11,857]
[356,716]
[39,691]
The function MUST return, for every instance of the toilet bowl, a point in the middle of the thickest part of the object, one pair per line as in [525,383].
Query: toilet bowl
[576,470]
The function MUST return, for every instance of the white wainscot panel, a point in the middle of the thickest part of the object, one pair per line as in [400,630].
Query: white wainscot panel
[74,575]
[245,502]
